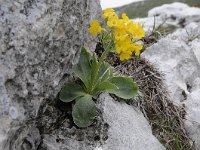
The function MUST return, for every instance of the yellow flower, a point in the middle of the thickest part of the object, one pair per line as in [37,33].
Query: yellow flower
[126,48]
[120,34]
[124,31]
[137,48]
[123,48]
[109,12]
[118,47]
[125,17]
[135,30]
[112,21]
[95,28]
[124,56]
[121,25]
[140,31]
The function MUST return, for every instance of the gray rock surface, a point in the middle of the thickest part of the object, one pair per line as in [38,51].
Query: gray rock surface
[128,128]
[119,126]
[176,15]
[177,55]
[39,43]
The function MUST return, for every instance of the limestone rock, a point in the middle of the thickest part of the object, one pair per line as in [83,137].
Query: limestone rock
[128,129]
[40,42]
[175,15]
[177,56]
[118,126]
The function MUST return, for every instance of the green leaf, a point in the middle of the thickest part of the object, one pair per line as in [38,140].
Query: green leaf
[104,86]
[127,88]
[83,68]
[71,91]
[94,66]
[84,111]
[94,60]
[104,72]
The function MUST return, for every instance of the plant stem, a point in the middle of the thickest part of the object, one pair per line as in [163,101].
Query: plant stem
[103,56]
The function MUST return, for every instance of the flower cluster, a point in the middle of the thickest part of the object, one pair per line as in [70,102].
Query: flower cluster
[126,33]
[95,28]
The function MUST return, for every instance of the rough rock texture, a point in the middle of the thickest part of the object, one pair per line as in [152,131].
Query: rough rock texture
[39,43]
[128,128]
[118,126]
[177,55]
[175,14]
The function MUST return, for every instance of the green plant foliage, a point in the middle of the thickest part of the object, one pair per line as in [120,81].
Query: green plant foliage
[70,92]
[104,86]
[104,72]
[96,76]
[127,88]
[94,64]
[84,111]
[83,68]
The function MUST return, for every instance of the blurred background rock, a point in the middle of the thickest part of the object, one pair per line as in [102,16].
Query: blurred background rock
[140,8]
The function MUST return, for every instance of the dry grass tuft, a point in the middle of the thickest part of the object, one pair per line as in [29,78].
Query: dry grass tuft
[165,118]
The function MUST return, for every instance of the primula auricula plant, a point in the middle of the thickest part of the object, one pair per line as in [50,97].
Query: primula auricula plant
[119,35]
